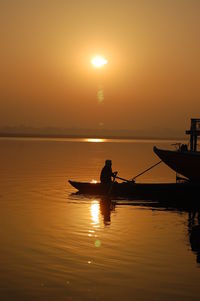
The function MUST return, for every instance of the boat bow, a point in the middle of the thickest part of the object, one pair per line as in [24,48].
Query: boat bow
[186,163]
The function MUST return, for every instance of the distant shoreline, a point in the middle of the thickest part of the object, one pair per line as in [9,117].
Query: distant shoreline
[54,136]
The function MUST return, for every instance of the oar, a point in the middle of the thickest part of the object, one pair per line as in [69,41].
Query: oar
[146,170]
[124,179]
[133,179]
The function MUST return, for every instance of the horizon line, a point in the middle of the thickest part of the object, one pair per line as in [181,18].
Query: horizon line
[89,136]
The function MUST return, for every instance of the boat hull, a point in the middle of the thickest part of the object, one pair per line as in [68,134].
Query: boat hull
[141,191]
[186,163]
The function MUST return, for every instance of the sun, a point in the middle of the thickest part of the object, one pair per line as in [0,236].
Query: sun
[99,61]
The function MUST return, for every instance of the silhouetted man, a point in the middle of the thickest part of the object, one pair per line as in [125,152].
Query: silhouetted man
[106,173]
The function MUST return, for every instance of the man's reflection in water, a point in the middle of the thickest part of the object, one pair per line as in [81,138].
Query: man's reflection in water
[106,206]
[194,231]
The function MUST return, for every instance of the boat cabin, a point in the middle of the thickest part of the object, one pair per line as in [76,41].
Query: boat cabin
[194,132]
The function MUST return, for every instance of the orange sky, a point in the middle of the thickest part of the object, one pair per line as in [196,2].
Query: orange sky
[152,75]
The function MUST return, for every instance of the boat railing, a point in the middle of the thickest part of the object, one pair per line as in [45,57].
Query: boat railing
[180,147]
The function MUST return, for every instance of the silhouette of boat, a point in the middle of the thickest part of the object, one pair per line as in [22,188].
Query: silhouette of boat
[142,191]
[184,161]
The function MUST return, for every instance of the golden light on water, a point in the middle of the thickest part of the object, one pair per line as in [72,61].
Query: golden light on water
[94,140]
[99,61]
[94,211]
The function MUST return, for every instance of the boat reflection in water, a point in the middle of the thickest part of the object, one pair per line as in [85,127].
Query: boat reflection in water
[194,231]
[106,207]
[193,218]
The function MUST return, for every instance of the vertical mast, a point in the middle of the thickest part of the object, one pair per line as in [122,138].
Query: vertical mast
[194,132]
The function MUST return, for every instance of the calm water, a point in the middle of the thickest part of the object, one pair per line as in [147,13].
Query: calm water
[59,246]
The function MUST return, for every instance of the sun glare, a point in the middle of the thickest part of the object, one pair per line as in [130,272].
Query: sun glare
[99,61]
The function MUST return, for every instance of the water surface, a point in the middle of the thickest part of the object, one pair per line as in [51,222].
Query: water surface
[59,246]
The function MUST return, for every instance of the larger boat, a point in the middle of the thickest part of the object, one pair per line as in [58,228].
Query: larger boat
[184,161]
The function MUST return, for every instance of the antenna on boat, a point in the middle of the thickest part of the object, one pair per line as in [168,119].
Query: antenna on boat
[194,132]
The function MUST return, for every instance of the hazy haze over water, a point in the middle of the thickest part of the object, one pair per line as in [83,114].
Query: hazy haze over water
[151,79]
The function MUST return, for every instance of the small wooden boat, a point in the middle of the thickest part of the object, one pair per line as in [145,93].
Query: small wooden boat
[141,191]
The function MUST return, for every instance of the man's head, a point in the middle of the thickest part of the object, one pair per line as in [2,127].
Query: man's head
[108,163]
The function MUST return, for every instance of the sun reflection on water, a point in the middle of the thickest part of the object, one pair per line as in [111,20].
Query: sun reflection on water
[94,211]
[94,140]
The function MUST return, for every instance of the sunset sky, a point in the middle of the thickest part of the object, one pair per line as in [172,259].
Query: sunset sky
[151,79]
